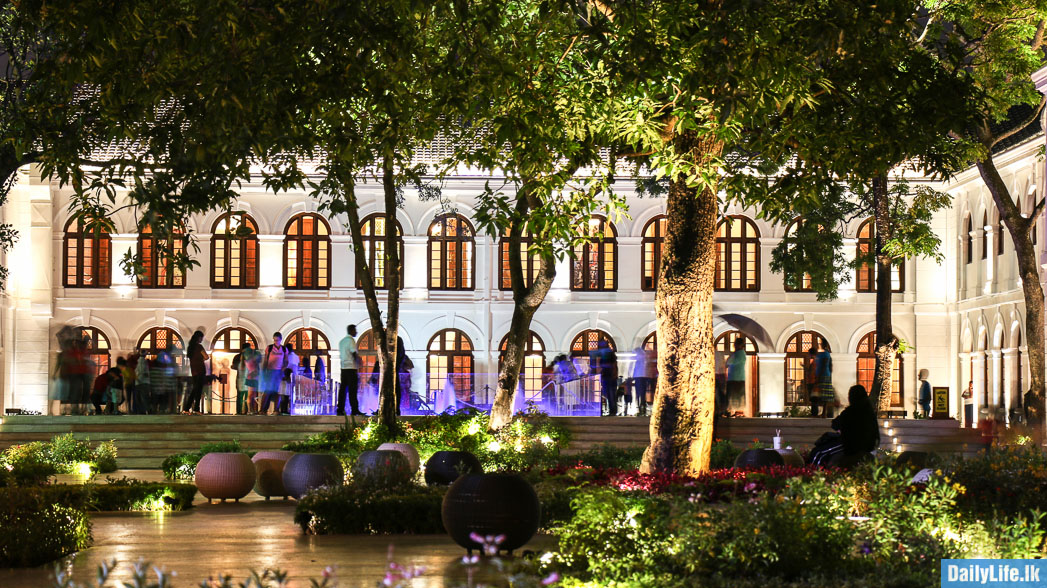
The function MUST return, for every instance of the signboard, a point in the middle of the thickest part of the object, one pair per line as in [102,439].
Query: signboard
[940,402]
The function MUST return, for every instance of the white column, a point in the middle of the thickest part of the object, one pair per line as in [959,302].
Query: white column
[910,385]
[1010,388]
[991,260]
[416,265]
[996,392]
[198,279]
[979,383]
[772,382]
[343,265]
[957,400]
[271,266]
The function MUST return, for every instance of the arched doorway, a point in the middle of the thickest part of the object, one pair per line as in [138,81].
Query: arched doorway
[725,345]
[866,369]
[450,358]
[532,376]
[796,351]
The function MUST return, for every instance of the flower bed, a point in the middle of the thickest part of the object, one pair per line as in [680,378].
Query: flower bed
[33,462]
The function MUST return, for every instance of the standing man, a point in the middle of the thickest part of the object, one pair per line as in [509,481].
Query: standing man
[350,375]
[604,362]
[823,371]
[643,378]
[736,365]
[925,393]
[273,365]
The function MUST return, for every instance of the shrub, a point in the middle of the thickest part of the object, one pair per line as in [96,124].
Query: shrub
[1004,481]
[32,463]
[606,456]
[182,466]
[723,454]
[36,529]
[356,509]
[127,494]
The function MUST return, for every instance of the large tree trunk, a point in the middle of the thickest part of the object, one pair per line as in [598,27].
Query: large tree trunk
[886,343]
[683,412]
[1029,272]
[526,300]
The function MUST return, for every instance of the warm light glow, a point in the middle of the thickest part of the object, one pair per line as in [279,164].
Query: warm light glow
[494,447]
[84,469]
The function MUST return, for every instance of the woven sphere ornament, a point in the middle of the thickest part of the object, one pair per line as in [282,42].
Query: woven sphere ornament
[491,505]
[225,475]
[444,467]
[407,449]
[305,471]
[269,467]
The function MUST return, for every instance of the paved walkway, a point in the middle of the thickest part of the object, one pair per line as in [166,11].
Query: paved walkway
[233,538]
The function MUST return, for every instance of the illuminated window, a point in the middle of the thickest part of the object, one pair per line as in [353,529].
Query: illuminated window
[373,230]
[157,257]
[652,247]
[88,256]
[234,252]
[737,255]
[985,237]
[867,368]
[796,357]
[451,260]
[450,357]
[533,369]
[307,253]
[650,343]
[724,345]
[529,262]
[311,345]
[867,271]
[584,343]
[97,349]
[232,340]
[804,281]
[968,239]
[159,339]
[594,263]
[1000,243]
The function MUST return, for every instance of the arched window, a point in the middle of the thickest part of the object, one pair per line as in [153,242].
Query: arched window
[804,281]
[367,349]
[724,345]
[451,357]
[594,263]
[1019,368]
[985,237]
[529,261]
[234,251]
[97,348]
[985,369]
[373,231]
[867,271]
[584,343]
[652,247]
[968,238]
[533,365]
[310,345]
[650,343]
[867,369]
[232,340]
[88,256]
[998,232]
[737,255]
[159,339]
[796,351]
[307,253]
[452,264]
[157,258]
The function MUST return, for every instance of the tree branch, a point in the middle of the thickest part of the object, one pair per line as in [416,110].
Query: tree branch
[993,141]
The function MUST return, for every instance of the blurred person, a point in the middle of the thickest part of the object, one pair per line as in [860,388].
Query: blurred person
[924,396]
[643,377]
[292,372]
[350,382]
[604,362]
[198,357]
[107,388]
[736,373]
[273,364]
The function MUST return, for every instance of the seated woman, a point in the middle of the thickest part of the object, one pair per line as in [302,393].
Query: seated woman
[858,430]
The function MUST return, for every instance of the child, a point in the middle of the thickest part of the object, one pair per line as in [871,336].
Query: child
[107,388]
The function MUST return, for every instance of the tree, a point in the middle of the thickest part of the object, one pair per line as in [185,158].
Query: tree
[999,45]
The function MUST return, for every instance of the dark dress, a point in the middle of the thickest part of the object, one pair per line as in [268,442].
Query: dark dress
[859,432]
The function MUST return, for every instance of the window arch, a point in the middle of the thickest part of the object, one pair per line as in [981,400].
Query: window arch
[652,247]
[307,253]
[805,280]
[367,349]
[373,232]
[724,345]
[1000,243]
[232,340]
[98,347]
[867,369]
[452,263]
[796,350]
[737,255]
[530,262]
[159,339]
[650,342]
[968,238]
[985,237]
[594,262]
[234,251]
[451,356]
[310,345]
[584,343]
[532,373]
[157,256]
[867,271]
[88,255]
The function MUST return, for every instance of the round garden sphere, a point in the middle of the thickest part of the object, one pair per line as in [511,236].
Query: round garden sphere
[790,457]
[444,467]
[382,468]
[225,475]
[407,449]
[305,471]
[758,458]
[269,467]
[491,504]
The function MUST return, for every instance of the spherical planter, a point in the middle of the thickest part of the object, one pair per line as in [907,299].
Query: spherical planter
[491,504]
[444,467]
[305,471]
[407,449]
[225,475]
[382,469]
[790,457]
[758,458]
[269,467]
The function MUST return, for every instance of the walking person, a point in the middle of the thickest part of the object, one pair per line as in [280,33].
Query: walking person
[197,373]
[823,372]
[924,397]
[603,361]
[643,378]
[251,364]
[350,384]
[736,372]
[404,365]
[291,374]
[273,365]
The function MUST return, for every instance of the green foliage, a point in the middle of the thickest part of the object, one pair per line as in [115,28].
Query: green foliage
[606,456]
[359,509]
[723,454]
[127,494]
[33,463]
[1006,481]
[35,529]
[182,466]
